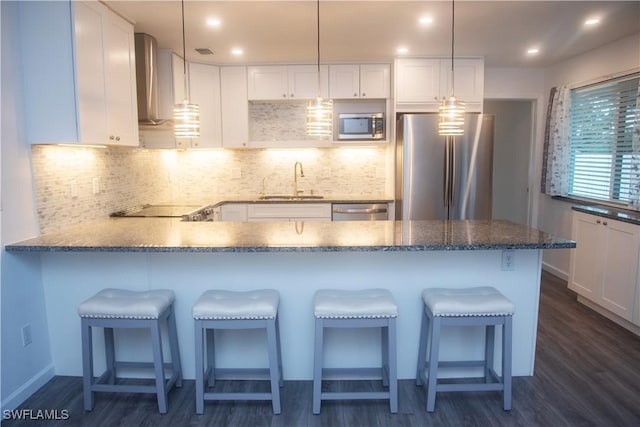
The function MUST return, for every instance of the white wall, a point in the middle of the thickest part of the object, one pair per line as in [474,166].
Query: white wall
[554,215]
[24,369]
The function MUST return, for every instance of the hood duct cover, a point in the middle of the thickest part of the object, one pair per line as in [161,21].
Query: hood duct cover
[147,78]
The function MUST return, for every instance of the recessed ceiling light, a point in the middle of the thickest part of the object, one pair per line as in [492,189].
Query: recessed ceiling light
[591,22]
[402,50]
[533,51]
[425,20]
[213,22]
[236,51]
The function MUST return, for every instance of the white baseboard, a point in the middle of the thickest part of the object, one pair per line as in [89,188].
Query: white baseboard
[27,389]
[555,271]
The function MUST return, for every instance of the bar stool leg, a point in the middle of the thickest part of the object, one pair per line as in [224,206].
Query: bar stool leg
[273,365]
[436,324]
[110,354]
[422,351]
[87,365]
[489,340]
[317,365]
[200,369]
[278,348]
[158,363]
[173,343]
[506,362]
[384,338]
[392,365]
[210,366]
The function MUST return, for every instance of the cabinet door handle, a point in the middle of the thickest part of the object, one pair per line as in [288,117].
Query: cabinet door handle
[284,95]
[355,94]
[604,223]
[597,221]
[292,96]
[364,94]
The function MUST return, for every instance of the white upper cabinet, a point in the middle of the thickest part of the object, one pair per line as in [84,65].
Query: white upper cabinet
[120,81]
[79,74]
[351,81]
[204,90]
[286,82]
[235,108]
[170,82]
[421,83]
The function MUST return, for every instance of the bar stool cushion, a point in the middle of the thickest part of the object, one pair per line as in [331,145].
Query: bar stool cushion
[348,304]
[220,305]
[479,301]
[125,304]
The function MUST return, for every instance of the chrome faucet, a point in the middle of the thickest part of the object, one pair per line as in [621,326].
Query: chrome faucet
[295,178]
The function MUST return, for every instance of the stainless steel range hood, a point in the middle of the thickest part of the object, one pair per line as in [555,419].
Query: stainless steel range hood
[147,78]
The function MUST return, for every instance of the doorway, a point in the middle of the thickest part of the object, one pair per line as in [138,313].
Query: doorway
[513,140]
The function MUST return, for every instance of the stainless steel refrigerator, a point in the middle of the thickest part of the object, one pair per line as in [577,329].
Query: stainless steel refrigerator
[441,177]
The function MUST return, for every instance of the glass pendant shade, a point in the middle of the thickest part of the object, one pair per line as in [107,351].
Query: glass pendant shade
[320,117]
[451,117]
[186,120]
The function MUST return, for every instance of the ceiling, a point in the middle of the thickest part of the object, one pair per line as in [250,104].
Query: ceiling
[274,31]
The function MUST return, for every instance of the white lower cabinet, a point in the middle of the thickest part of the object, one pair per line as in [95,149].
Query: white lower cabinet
[604,265]
[233,212]
[263,212]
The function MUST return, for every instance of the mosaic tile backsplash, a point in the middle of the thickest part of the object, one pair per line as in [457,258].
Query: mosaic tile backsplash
[77,184]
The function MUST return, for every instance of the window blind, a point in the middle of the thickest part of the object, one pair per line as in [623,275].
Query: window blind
[602,119]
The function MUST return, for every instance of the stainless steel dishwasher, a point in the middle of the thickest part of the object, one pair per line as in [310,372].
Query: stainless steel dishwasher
[360,212]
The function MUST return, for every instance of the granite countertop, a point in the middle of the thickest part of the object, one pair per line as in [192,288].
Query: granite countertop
[610,213]
[173,235]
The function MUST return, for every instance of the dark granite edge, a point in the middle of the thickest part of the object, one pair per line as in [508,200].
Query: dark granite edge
[289,249]
[630,217]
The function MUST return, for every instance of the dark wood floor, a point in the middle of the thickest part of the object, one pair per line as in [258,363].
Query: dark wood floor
[587,374]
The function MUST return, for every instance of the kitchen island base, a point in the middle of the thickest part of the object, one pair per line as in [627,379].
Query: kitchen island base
[296,275]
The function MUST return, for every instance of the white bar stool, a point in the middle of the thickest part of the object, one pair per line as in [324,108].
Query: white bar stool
[119,308]
[218,309]
[481,306]
[368,308]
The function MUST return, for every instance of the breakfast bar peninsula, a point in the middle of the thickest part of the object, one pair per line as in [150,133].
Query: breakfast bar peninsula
[296,258]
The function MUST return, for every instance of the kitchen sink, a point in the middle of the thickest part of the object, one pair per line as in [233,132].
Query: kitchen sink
[290,197]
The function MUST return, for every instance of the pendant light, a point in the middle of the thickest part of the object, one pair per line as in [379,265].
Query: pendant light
[451,121]
[186,116]
[319,111]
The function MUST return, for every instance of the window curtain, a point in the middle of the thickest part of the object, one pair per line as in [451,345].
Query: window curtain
[557,147]
[634,192]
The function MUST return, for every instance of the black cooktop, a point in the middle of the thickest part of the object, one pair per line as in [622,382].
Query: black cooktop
[156,211]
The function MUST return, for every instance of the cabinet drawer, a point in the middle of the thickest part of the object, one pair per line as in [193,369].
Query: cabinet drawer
[285,211]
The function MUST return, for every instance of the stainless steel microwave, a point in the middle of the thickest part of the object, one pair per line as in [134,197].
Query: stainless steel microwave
[361,126]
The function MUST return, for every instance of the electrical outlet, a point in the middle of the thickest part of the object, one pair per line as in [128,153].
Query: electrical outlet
[508,260]
[26,335]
